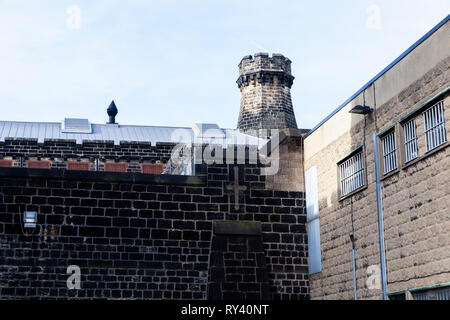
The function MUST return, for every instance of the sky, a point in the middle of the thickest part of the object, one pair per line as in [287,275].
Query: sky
[174,63]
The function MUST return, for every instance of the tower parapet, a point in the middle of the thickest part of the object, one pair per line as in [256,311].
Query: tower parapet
[265,84]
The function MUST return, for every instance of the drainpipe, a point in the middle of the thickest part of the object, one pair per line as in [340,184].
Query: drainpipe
[380,218]
[355,290]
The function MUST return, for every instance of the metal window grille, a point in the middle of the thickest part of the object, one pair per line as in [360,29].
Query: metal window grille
[443,294]
[420,296]
[410,133]
[435,134]
[352,174]
[434,294]
[389,152]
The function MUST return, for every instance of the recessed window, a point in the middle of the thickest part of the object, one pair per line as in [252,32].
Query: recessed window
[435,134]
[398,296]
[389,152]
[352,174]
[410,133]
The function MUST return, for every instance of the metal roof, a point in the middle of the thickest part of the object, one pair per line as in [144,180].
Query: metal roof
[43,131]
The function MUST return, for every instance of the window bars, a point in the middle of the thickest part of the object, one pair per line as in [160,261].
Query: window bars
[435,134]
[433,294]
[352,174]
[389,152]
[410,133]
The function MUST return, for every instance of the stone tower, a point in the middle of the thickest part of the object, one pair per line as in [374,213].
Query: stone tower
[265,83]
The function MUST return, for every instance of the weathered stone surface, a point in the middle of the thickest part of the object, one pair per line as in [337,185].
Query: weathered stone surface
[265,84]
[415,204]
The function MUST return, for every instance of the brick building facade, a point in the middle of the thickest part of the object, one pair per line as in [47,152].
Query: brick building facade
[410,118]
[148,236]
[357,207]
[138,234]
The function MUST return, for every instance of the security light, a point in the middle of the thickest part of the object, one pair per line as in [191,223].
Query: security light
[30,219]
[361,109]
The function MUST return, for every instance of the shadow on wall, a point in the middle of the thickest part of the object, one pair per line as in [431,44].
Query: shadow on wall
[348,212]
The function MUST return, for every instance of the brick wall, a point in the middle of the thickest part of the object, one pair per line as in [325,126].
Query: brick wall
[140,236]
[415,205]
[62,152]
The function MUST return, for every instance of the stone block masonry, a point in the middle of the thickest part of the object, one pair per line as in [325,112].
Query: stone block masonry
[140,236]
[265,83]
[415,202]
[238,266]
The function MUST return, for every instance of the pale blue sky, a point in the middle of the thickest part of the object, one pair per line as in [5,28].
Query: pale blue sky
[175,62]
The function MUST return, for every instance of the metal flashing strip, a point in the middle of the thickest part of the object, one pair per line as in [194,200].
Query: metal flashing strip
[436,286]
[412,112]
[389,128]
[351,153]
[423,104]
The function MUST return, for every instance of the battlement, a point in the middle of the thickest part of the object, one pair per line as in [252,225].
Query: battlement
[262,61]
[261,68]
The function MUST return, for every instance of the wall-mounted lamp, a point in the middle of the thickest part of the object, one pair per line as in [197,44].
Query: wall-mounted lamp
[29,219]
[361,109]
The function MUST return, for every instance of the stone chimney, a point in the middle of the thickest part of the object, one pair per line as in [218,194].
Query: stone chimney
[265,83]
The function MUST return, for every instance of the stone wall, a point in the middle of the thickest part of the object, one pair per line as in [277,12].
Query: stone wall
[138,236]
[415,202]
[290,174]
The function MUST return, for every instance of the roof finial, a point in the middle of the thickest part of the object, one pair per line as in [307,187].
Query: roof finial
[112,112]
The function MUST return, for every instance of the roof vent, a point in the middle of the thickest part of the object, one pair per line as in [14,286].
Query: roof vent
[112,113]
[72,125]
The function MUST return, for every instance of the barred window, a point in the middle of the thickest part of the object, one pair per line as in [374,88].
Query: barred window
[352,174]
[433,294]
[389,152]
[435,134]
[409,130]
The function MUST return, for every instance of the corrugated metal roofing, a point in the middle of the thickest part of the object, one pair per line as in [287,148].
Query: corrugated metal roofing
[121,133]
